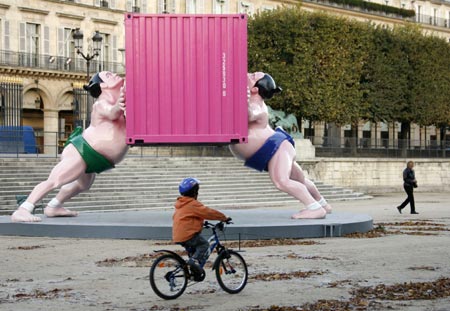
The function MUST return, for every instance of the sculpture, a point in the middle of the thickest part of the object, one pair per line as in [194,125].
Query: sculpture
[98,148]
[273,151]
[287,121]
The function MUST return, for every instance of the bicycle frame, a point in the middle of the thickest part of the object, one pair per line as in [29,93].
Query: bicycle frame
[214,243]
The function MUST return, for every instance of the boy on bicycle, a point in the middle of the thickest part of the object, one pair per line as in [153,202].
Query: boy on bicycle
[188,221]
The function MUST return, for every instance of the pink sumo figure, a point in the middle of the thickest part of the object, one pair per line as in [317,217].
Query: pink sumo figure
[98,148]
[273,151]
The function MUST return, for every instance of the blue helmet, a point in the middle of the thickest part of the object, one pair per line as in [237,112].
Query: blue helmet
[187,184]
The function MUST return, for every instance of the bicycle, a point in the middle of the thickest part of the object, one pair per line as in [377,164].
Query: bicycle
[170,273]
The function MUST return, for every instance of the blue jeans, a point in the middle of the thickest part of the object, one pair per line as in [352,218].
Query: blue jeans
[200,244]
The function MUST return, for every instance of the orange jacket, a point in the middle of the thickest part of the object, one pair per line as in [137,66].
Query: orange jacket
[189,217]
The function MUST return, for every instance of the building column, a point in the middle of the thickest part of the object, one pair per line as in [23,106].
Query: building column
[414,137]
[438,135]
[375,135]
[422,137]
[334,135]
[51,131]
[393,134]
[361,123]
[319,130]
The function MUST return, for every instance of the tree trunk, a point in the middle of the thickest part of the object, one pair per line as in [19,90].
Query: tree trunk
[403,143]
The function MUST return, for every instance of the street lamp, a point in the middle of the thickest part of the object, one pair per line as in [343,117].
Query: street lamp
[84,102]
[97,44]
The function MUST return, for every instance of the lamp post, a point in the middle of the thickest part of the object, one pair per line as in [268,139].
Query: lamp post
[83,102]
[97,44]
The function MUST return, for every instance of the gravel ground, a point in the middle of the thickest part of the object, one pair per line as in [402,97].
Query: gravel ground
[402,265]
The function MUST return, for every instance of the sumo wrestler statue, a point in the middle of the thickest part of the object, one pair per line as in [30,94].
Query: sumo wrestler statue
[98,148]
[273,151]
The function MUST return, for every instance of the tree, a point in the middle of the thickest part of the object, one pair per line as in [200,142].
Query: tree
[315,58]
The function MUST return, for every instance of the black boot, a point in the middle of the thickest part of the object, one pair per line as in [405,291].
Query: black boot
[196,271]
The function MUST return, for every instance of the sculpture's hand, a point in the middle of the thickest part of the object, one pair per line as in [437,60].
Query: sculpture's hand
[121,101]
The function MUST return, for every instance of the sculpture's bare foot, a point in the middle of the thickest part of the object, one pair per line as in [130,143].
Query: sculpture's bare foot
[328,208]
[23,215]
[59,212]
[310,214]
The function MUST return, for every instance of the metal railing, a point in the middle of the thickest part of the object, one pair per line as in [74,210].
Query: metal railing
[432,20]
[59,63]
[369,147]
[360,9]
[14,143]
[419,18]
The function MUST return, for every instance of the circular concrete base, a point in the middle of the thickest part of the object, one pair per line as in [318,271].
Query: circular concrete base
[251,224]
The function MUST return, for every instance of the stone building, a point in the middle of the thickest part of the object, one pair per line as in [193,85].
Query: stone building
[41,73]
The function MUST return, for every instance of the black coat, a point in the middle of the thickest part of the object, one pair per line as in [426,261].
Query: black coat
[409,178]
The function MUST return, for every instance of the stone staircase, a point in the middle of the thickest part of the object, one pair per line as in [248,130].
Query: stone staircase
[152,183]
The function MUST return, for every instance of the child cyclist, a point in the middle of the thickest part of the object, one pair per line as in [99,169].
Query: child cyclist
[188,221]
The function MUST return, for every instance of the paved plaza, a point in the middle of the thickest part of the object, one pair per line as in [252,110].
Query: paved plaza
[405,256]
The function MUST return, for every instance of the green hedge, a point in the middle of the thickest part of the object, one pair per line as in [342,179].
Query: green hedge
[376,7]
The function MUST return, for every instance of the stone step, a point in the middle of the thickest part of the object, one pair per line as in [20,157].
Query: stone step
[205,195]
[138,183]
[149,189]
[107,206]
[82,199]
[121,181]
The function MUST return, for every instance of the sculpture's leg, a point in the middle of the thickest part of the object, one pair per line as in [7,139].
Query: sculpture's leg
[55,206]
[67,170]
[280,170]
[297,174]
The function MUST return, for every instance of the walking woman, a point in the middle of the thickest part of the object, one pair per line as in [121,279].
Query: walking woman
[409,183]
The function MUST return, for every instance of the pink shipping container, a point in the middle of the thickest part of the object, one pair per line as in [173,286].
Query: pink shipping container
[186,79]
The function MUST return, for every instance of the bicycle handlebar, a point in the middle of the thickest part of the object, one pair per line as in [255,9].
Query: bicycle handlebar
[218,225]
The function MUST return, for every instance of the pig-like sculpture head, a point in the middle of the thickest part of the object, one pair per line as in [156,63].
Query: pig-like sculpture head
[103,80]
[262,84]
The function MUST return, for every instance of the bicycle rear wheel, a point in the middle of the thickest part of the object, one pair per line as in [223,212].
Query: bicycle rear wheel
[231,272]
[168,277]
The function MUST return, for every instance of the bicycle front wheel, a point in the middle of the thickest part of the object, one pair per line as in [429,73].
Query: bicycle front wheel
[231,272]
[168,277]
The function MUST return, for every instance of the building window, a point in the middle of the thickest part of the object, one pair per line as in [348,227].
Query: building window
[102,3]
[267,8]
[29,44]
[134,6]
[166,6]
[220,6]
[245,7]
[104,59]
[32,39]
[66,50]
[1,34]
[194,6]
[419,13]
